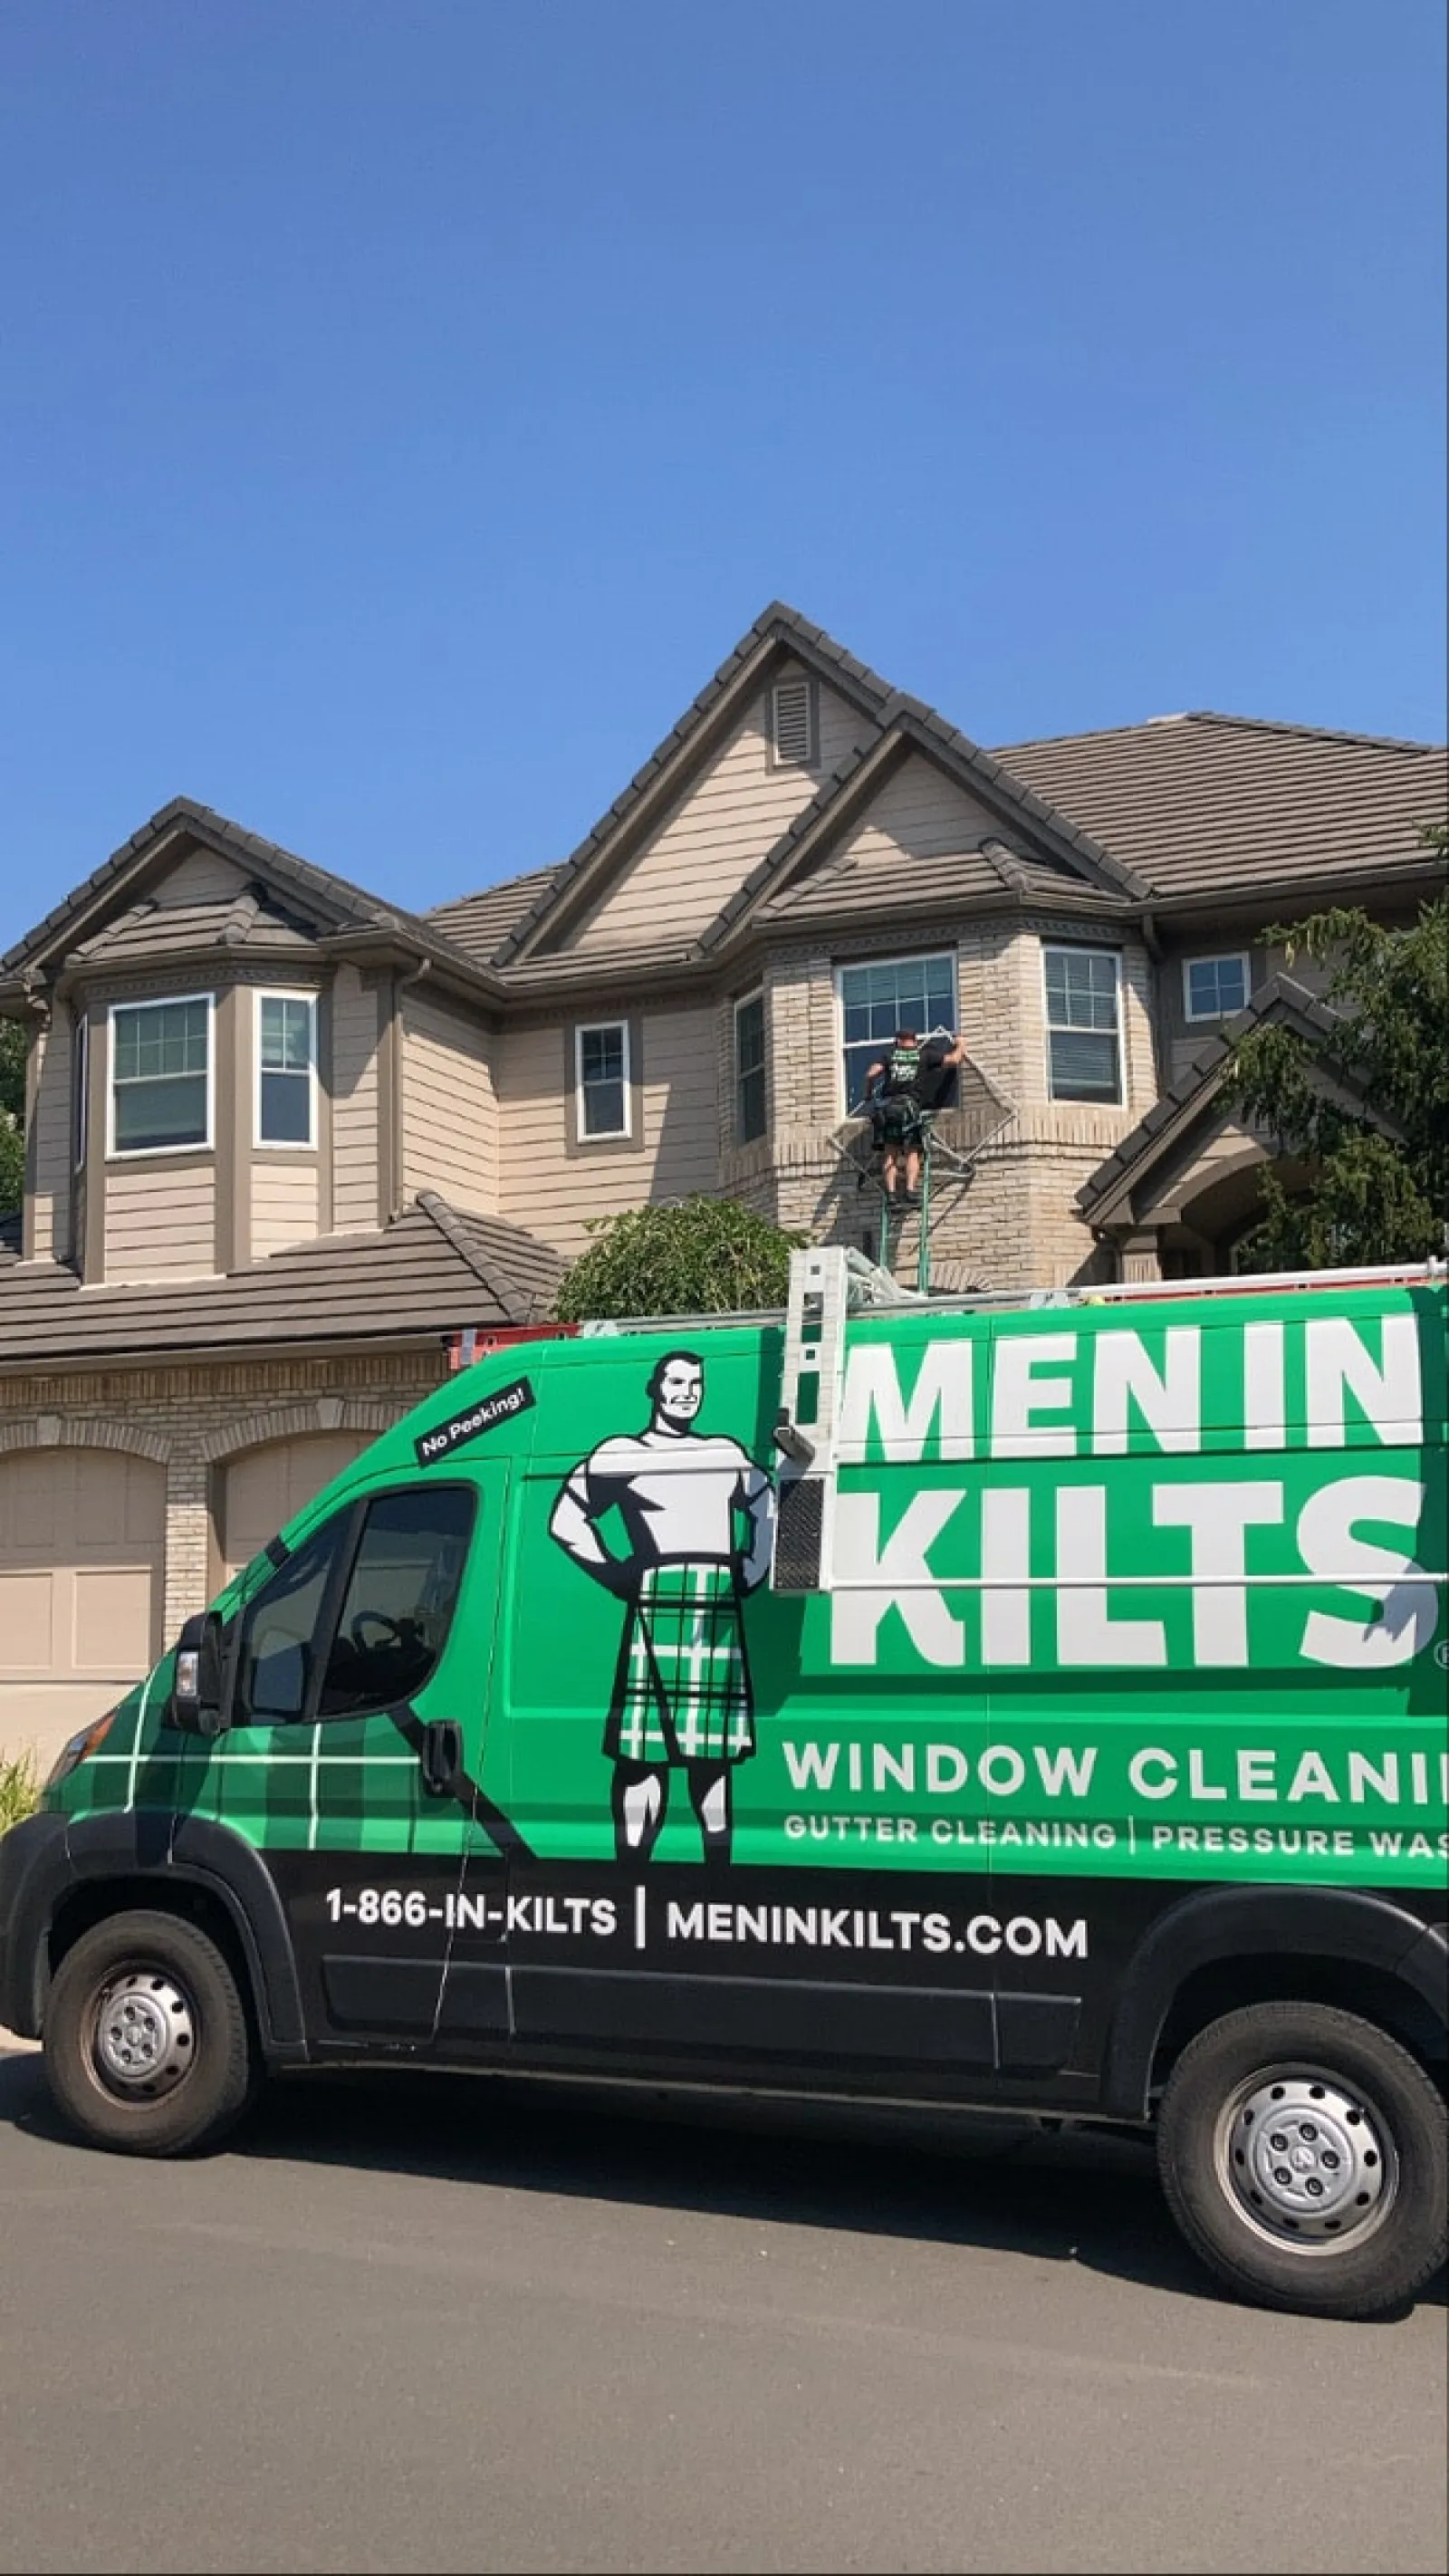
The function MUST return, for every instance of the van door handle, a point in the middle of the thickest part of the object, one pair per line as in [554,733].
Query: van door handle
[441,1756]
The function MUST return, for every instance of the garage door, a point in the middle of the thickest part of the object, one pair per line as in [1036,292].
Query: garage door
[263,1490]
[82,1555]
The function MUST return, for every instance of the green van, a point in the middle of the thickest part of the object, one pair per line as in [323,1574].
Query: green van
[1038,1706]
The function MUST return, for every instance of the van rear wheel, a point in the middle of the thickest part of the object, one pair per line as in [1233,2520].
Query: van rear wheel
[146,2042]
[1305,2157]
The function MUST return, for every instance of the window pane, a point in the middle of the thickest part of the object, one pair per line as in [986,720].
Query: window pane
[1084,1067]
[152,1115]
[279,1633]
[892,993]
[399,1601]
[750,1071]
[603,1109]
[286,1034]
[286,1106]
[750,1108]
[160,1037]
[602,1054]
[750,1035]
[1216,987]
[1081,989]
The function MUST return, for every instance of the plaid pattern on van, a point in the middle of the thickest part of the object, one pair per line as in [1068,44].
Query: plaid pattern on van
[682,1691]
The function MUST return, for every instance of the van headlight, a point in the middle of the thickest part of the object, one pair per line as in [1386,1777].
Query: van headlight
[79,1750]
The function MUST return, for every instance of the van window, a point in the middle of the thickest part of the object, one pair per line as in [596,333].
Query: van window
[400,1597]
[277,1653]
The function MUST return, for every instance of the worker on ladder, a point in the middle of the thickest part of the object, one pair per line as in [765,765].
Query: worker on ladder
[901,1088]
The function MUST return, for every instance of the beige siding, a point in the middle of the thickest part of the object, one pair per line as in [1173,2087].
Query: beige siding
[160,1221]
[732,815]
[285,1201]
[354,1103]
[450,1114]
[52,1059]
[918,814]
[204,877]
[554,1193]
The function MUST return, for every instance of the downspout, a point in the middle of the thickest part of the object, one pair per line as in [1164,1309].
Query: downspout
[404,985]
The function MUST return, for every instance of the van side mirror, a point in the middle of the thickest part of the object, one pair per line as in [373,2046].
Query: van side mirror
[197,1693]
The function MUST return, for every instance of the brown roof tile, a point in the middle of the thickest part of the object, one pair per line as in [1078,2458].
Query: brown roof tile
[1206,803]
[435,1269]
[478,922]
[159,930]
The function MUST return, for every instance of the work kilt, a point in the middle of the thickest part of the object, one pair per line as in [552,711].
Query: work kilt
[682,1688]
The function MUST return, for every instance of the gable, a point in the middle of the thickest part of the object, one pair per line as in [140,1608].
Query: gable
[723,824]
[921,833]
[202,876]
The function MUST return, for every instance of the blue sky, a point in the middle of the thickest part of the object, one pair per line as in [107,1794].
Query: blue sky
[404,404]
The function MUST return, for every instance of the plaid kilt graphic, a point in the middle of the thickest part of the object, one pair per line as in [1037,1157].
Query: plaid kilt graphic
[682,1689]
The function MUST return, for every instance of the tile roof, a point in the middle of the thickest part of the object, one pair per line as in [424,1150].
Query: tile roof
[435,1269]
[478,923]
[1209,804]
[880,881]
[161,930]
[334,901]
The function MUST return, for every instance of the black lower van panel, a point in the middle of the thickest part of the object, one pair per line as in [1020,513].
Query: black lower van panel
[758,2016]
[382,1995]
[475,2001]
[1035,2034]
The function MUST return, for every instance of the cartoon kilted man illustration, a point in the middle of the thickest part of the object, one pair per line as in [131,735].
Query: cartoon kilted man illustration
[698,1513]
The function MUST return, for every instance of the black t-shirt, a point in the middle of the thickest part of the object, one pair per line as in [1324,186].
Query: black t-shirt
[907,1068]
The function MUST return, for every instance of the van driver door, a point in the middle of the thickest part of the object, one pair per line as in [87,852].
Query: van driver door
[361,1675]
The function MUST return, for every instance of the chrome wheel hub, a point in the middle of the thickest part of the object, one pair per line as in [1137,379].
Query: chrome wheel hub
[1308,2161]
[145,2032]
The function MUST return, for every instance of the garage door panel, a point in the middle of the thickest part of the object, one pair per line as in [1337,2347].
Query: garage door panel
[27,1621]
[82,1557]
[111,1619]
[267,1487]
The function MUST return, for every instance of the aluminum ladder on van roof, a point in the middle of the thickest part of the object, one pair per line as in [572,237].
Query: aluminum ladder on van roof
[826,1283]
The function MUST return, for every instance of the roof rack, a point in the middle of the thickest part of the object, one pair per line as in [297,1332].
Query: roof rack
[869,1287]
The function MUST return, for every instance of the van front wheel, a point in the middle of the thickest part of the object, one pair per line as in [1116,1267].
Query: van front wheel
[1304,2156]
[146,2042]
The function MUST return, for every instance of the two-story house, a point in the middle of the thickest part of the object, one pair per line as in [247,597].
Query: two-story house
[285,1141]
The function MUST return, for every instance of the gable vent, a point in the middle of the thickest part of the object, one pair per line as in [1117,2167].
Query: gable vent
[792,727]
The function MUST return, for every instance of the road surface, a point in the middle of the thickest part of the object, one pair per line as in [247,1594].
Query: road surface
[447,2323]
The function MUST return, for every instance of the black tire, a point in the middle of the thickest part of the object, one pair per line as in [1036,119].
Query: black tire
[1385,2252]
[161,1969]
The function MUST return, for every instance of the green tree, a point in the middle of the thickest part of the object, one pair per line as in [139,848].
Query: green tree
[12,1115]
[703,1256]
[1378,1185]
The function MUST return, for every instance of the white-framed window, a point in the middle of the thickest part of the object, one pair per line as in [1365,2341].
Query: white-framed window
[749,1068]
[792,723]
[1084,1024]
[1213,988]
[881,995]
[601,1079]
[286,1060]
[162,1067]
